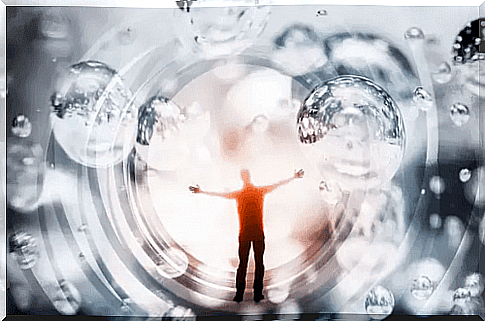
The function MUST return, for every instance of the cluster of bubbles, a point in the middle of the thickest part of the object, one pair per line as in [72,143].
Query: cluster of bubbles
[356,130]
[379,303]
[23,247]
[91,108]
[468,42]
[467,300]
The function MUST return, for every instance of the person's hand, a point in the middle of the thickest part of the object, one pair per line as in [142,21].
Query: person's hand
[195,189]
[299,174]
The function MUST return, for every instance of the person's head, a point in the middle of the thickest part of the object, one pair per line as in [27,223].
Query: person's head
[245,176]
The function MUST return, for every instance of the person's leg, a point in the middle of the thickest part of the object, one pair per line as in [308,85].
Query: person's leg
[258,258]
[244,246]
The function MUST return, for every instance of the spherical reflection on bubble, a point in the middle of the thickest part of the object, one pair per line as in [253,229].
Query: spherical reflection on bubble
[25,173]
[24,248]
[68,299]
[160,114]
[475,284]
[459,114]
[414,33]
[21,126]
[91,118]
[299,50]
[435,221]
[474,187]
[379,303]
[233,31]
[465,175]
[437,185]
[331,192]
[175,265]
[443,74]
[356,131]
[423,99]
[422,288]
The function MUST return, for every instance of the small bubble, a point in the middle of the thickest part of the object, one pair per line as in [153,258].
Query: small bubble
[82,228]
[260,123]
[437,185]
[126,36]
[414,34]
[459,114]
[423,191]
[465,175]
[54,59]
[443,75]
[81,256]
[331,192]
[422,288]
[321,13]
[21,126]
[435,221]
[423,99]
[379,303]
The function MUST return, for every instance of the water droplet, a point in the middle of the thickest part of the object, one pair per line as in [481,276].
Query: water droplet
[465,175]
[459,114]
[260,124]
[351,111]
[414,34]
[24,248]
[331,192]
[126,36]
[21,126]
[422,288]
[423,99]
[435,221]
[443,74]
[379,303]
[437,185]
[321,13]
[423,191]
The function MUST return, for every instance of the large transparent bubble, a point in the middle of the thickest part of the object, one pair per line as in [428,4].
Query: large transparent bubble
[91,118]
[356,132]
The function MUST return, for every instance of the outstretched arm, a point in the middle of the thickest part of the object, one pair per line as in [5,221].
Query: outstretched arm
[196,190]
[270,188]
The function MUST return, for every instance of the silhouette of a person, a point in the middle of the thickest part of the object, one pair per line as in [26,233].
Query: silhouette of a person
[250,201]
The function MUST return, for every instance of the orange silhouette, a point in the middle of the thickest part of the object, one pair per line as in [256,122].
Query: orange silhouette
[250,200]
